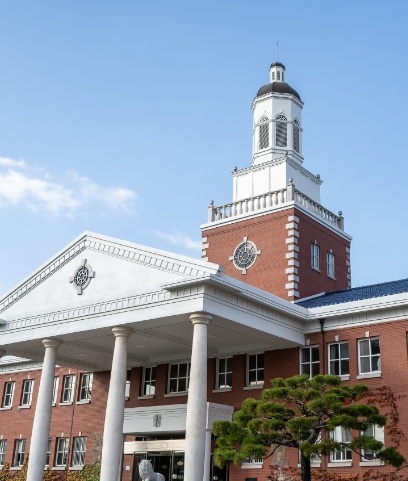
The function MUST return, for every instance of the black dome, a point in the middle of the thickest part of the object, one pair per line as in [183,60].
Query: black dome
[278,64]
[277,87]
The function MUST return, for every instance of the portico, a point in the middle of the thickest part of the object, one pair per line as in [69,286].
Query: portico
[134,306]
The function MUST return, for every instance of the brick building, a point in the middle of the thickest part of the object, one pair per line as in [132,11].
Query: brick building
[116,352]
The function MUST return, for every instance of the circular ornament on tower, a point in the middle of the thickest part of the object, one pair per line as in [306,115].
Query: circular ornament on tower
[245,255]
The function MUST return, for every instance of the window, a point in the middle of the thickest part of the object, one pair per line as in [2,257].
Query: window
[55,390]
[376,432]
[19,452]
[149,381]
[85,387]
[27,392]
[339,359]
[47,462]
[278,75]
[68,389]
[3,445]
[341,435]
[281,131]
[78,451]
[330,265]
[8,394]
[252,463]
[224,373]
[309,360]
[369,355]
[273,76]
[315,256]
[255,369]
[179,377]
[61,452]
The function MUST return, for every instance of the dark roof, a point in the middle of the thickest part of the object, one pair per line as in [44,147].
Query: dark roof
[277,64]
[356,294]
[278,87]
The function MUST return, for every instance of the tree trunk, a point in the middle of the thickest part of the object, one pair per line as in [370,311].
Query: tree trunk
[305,468]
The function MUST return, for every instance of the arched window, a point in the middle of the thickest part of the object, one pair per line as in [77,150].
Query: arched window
[281,131]
[296,136]
[263,132]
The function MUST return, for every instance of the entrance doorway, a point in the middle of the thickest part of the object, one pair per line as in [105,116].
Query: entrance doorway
[169,464]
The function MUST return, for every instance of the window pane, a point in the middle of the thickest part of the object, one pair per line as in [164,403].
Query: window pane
[344,351]
[252,377]
[345,367]
[182,385]
[315,354]
[221,365]
[334,368]
[334,351]
[365,364]
[315,369]
[364,348]
[252,362]
[173,385]
[183,370]
[229,380]
[260,359]
[375,363]
[229,364]
[375,346]
[305,354]
[173,370]
[305,368]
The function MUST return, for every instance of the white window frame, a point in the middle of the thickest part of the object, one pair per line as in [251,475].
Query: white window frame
[315,256]
[3,447]
[68,389]
[8,394]
[19,453]
[78,451]
[377,432]
[259,371]
[224,374]
[178,378]
[27,392]
[85,388]
[61,452]
[149,381]
[344,454]
[47,459]
[370,356]
[331,265]
[309,364]
[339,359]
[55,390]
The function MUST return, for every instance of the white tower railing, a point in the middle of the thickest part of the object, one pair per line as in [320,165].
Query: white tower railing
[271,200]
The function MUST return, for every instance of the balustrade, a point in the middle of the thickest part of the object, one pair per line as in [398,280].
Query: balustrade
[272,199]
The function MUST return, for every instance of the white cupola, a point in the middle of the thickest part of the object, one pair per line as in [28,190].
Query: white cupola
[277,122]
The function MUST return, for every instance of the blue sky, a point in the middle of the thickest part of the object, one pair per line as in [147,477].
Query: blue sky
[126,118]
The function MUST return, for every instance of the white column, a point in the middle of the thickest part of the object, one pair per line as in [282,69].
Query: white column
[197,401]
[207,457]
[113,430]
[42,418]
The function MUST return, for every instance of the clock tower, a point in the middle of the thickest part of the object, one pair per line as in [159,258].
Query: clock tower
[275,234]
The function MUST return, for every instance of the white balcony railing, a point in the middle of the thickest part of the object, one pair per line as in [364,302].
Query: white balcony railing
[270,200]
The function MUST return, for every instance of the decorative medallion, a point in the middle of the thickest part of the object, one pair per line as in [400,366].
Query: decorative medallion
[157,420]
[245,255]
[82,276]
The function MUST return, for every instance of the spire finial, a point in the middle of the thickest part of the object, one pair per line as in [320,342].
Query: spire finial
[277,51]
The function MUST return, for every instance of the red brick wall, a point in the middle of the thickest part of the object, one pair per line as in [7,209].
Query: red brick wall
[269,234]
[87,418]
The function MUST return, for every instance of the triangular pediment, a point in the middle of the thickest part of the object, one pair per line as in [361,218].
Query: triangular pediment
[113,267]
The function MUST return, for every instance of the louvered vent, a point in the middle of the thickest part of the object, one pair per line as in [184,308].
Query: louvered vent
[296,138]
[263,136]
[281,134]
